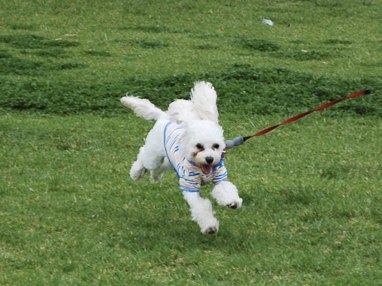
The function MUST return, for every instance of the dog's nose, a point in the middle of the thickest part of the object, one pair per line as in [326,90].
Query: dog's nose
[209,160]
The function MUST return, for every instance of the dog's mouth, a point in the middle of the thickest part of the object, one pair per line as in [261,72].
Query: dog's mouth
[206,169]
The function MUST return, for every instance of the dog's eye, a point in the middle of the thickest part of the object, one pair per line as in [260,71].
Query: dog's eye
[215,146]
[200,146]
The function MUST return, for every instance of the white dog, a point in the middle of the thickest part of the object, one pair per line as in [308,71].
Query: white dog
[189,139]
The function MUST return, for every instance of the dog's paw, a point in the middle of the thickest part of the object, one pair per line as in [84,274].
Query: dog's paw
[209,225]
[211,230]
[137,170]
[226,194]
[233,205]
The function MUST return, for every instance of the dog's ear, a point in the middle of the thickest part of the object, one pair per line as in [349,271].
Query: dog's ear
[203,98]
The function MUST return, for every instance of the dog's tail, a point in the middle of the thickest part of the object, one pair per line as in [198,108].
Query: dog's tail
[143,107]
[203,98]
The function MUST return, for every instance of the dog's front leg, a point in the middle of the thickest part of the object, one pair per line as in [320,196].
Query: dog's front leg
[201,212]
[226,194]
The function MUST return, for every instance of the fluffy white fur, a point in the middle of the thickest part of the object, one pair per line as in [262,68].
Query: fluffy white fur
[198,118]
[201,106]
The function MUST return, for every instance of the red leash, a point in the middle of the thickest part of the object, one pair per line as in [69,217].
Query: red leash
[239,140]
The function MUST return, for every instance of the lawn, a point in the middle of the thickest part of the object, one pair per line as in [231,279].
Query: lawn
[69,213]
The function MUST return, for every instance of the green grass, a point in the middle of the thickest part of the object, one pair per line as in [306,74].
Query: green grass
[70,215]
[54,64]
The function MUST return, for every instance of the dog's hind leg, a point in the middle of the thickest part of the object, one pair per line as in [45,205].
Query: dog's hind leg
[138,169]
[157,173]
[202,213]
[151,155]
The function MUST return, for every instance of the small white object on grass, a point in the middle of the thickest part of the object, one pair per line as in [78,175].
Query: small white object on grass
[267,22]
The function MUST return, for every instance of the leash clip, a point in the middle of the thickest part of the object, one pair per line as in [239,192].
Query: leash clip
[234,142]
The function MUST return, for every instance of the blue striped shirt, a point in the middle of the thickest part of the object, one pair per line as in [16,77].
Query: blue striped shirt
[190,176]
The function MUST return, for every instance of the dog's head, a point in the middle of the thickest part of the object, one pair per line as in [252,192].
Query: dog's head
[203,143]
